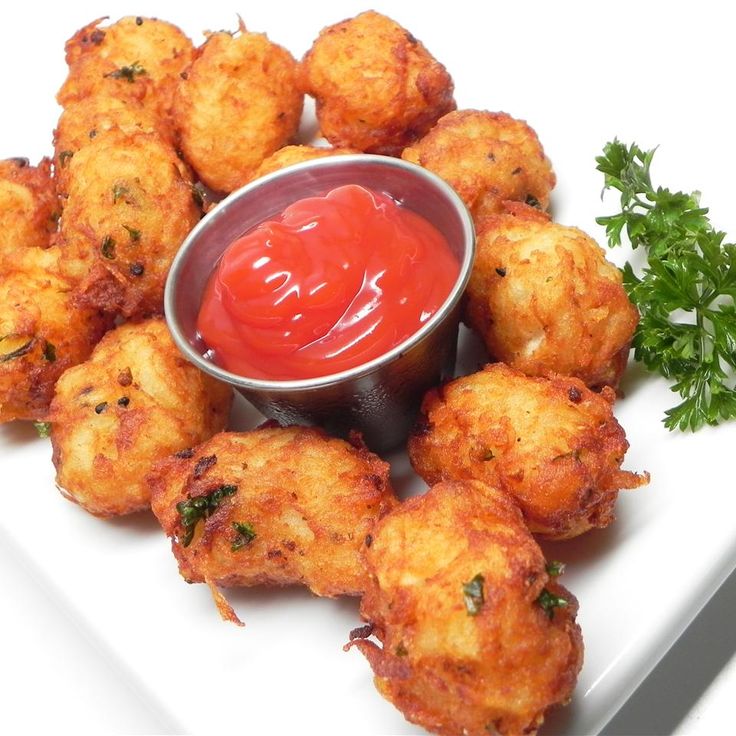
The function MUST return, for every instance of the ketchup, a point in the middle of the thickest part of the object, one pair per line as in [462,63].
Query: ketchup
[332,283]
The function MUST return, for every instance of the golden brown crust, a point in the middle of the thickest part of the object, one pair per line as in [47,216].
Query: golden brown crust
[310,500]
[289,155]
[487,157]
[135,401]
[551,443]
[29,208]
[135,57]
[545,300]
[237,103]
[466,667]
[129,208]
[83,120]
[42,332]
[377,87]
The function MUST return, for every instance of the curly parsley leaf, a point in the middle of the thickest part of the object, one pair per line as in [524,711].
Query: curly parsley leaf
[686,292]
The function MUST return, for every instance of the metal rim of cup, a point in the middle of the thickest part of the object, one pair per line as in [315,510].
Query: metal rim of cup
[309,384]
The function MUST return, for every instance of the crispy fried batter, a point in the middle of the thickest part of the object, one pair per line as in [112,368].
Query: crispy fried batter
[487,157]
[42,331]
[545,300]
[91,76]
[289,155]
[377,87]
[454,598]
[140,57]
[551,443]
[237,103]
[129,208]
[29,209]
[135,401]
[308,499]
[83,120]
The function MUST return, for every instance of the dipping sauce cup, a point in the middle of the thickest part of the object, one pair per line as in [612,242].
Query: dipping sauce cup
[378,398]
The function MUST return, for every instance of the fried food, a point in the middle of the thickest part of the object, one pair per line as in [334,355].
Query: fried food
[272,506]
[29,209]
[129,208]
[487,157]
[237,103]
[135,57]
[377,87]
[476,636]
[551,443]
[289,155]
[42,331]
[83,120]
[545,300]
[135,401]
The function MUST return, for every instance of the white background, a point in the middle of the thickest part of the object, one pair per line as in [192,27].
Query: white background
[98,633]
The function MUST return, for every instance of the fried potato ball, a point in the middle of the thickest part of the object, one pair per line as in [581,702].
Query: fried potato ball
[277,506]
[476,636]
[545,300]
[289,155]
[128,52]
[29,209]
[82,120]
[91,76]
[487,157]
[238,102]
[135,401]
[129,208]
[42,331]
[377,87]
[551,443]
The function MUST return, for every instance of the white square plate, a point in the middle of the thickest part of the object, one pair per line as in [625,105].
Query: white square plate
[580,74]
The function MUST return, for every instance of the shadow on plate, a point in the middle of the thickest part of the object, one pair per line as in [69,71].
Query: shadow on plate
[277,596]
[21,433]
[143,523]
[583,551]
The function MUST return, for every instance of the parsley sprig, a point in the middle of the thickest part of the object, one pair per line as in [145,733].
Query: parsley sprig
[686,292]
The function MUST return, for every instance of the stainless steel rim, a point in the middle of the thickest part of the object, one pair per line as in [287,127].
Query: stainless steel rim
[308,384]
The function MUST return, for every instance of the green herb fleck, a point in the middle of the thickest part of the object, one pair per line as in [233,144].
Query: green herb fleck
[64,157]
[135,235]
[555,568]
[549,602]
[198,194]
[473,595]
[488,455]
[245,535]
[43,429]
[401,650]
[118,192]
[49,351]
[690,270]
[18,352]
[108,248]
[129,73]
[195,509]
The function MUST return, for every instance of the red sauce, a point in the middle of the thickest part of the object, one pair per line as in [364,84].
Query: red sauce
[333,282]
